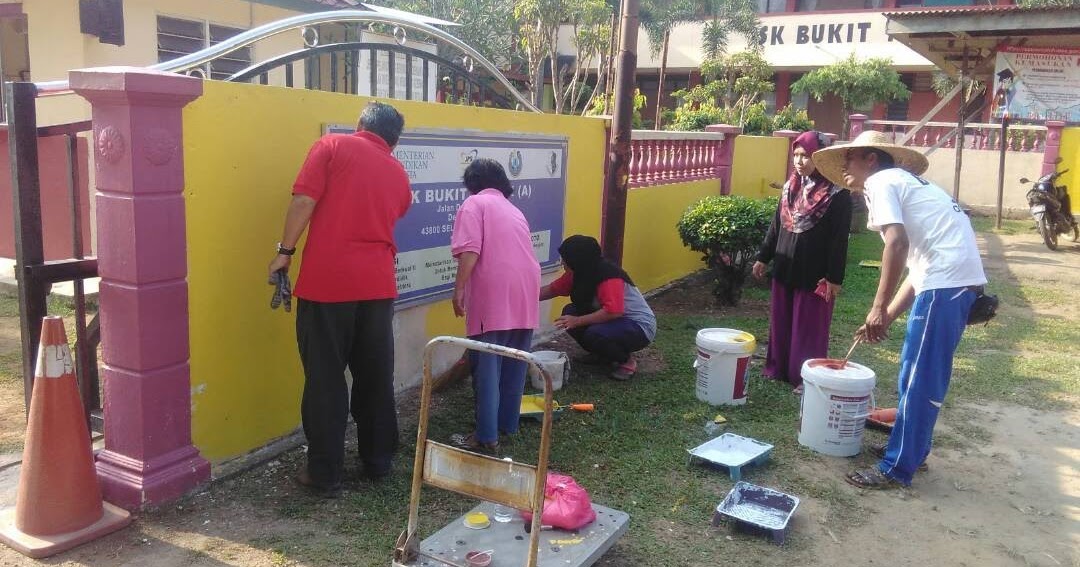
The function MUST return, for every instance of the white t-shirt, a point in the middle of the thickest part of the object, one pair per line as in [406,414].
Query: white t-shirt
[942,252]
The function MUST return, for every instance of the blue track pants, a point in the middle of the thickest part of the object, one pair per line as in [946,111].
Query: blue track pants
[935,324]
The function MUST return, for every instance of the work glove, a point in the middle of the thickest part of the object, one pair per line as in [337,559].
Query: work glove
[282,290]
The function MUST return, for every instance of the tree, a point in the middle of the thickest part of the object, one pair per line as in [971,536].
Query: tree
[659,18]
[725,18]
[856,83]
[538,22]
[734,85]
[487,26]
[591,29]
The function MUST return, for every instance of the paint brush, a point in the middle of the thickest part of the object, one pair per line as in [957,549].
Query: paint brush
[843,362]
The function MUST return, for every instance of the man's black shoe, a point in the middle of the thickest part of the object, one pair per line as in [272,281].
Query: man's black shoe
[304,479]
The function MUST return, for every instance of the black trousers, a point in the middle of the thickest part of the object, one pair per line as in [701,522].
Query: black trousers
[614,340]
[359,335]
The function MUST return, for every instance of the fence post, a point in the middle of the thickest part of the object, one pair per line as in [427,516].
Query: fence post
[142,260]
[725,156]
[1052,148]
[790,135]
[22,135]
[857,123]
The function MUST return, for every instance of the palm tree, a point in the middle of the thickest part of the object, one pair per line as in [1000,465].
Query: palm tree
[727,17]
[659,17]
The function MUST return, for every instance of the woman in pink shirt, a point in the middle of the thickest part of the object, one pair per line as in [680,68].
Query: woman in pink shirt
[498,281]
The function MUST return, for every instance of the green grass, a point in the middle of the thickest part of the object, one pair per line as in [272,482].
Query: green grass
[55,305]
[631,452]
[1008,226]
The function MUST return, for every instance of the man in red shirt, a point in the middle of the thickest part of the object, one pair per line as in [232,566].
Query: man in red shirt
[349,194]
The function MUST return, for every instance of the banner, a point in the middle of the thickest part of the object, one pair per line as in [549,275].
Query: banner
[1038,84]
[435,161]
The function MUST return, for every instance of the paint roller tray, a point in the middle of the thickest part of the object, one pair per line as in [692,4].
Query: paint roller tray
[732,451]
[758,509]
[532,407]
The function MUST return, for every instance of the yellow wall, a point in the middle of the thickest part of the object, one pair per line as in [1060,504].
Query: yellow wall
[653,253]
[1070,159]
[759,160]
[243,145]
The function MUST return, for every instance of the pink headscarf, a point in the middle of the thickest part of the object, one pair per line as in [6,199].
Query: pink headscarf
[803,204]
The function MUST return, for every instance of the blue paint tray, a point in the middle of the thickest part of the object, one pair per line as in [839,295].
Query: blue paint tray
[732,451]
[758,509]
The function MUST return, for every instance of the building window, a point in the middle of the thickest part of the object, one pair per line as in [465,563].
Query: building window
[770,6]
[177,37]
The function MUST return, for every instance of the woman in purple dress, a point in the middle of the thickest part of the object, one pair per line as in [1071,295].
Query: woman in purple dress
[807,245]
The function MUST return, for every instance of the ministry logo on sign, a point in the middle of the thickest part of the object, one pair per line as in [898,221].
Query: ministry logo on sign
[553,163]
[515,163]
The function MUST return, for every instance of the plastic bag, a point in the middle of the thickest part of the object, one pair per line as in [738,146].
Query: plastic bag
[983,310]
[566,504]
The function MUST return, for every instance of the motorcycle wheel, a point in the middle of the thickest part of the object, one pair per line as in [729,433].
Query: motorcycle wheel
[1046,229]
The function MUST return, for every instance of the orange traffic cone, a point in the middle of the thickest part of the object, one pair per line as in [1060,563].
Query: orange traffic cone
[59,503]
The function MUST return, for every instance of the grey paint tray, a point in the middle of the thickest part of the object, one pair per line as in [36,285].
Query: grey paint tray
[732,451]
[758,508]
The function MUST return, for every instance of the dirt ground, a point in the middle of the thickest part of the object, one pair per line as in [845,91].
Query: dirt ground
[1013,499]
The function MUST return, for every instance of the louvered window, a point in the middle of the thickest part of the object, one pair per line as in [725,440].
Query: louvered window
[178,37]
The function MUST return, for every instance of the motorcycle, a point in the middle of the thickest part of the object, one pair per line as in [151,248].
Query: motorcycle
[1051,208]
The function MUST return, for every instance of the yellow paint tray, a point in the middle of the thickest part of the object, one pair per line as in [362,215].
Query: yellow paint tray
[532,407]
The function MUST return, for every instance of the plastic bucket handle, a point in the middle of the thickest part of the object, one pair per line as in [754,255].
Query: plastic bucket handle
[873,403]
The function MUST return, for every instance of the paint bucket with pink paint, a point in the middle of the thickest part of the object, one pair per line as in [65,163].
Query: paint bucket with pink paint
[837,398]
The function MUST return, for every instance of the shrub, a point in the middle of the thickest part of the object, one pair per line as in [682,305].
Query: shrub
[694,117]
[728,230]
[792,118]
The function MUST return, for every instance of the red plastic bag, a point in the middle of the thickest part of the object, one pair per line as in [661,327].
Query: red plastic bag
[566,504]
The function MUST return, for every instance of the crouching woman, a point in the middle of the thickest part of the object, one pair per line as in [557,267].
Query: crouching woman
[607,315]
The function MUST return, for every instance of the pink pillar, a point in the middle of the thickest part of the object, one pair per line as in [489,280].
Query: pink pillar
[790,135]
[1053,145]
[725,155]
[857,122]
[142,260]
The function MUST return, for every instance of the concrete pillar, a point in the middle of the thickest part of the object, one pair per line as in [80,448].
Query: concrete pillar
[142,260]
[856,124]
[726,156]
[1053,145]
[783,89]
[790,135]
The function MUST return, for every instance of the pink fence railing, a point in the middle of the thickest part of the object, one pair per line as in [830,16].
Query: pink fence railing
[659,157]
[977,136]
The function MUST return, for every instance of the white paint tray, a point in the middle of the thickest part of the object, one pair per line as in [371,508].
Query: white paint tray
[759,508]
[732,451]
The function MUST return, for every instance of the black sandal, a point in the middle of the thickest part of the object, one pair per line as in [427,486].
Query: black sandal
[871,479]
[470,443]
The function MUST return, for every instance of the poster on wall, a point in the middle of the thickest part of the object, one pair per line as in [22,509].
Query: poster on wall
[1037,84]
[435,160]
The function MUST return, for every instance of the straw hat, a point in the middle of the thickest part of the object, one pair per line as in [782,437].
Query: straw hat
[830,161]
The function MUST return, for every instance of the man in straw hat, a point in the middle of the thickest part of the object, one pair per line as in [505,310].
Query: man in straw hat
[925,231]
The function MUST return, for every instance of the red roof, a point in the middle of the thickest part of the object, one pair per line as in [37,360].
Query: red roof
[957,10]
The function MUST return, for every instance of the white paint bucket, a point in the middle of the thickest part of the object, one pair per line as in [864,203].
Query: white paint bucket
[835,403]
[722,358]
[556,363]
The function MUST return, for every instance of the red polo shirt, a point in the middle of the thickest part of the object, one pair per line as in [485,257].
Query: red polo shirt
[360,190]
